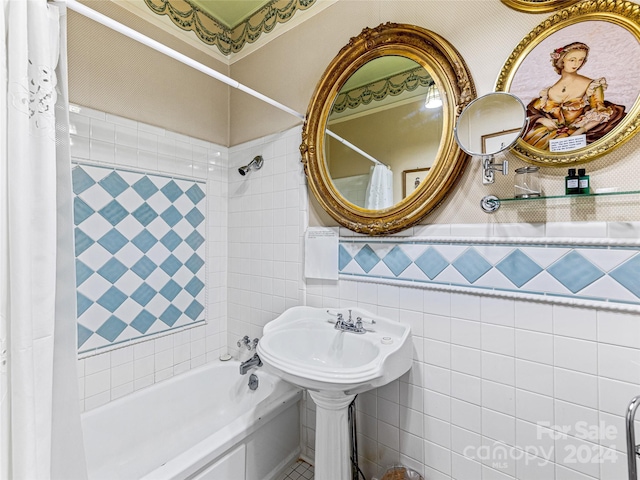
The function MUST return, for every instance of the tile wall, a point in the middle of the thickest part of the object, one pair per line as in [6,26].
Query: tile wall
[106,140]
[502,387]
[267,219]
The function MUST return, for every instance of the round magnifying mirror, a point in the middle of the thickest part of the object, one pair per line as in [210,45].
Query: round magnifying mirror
[491,124]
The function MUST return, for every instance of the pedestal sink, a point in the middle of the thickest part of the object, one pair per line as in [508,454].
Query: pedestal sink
[304,347]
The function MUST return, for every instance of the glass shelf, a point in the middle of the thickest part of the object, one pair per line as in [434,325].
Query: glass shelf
[577,195]
[491,203]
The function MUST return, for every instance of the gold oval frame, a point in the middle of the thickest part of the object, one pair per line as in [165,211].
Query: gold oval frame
[453,79]
[540,6]
[619,12]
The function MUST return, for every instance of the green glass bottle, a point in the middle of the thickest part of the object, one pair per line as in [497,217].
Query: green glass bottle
[583,181]
[571,183]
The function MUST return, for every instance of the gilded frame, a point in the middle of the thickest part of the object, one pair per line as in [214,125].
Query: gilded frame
[537,6]
[620,17]
[417,179]
[456,87]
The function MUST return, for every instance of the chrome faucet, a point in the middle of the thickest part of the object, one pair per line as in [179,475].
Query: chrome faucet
[252,362]
[348,325]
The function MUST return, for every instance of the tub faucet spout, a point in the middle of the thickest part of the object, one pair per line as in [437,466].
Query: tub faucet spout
[252,362]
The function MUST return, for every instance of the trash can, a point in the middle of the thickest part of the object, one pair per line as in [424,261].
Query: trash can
[399,472]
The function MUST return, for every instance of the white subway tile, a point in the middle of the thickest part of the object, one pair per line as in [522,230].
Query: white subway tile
[535,316]
[466,387]
[437,457]
[465,333]
[437,353]
[498,368]
[619,363]
[614,396]
[103,131]
[576,387]
[498,397]
[465,306]
[499,311]
[498,339]
[534,408]
[96,383]
[534,346]
[575,354]
[466,415]
[535,377]
[464,468]
[466,360]
[437,405]
[574,322]
[499,426]
[619,328]
[437,327]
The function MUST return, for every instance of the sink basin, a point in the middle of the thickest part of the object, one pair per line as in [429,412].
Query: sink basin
[303,347]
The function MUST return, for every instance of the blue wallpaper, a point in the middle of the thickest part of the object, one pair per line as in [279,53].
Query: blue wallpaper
[140,254]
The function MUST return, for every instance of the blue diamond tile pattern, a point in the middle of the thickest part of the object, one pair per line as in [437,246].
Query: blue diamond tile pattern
[81,211]
[145,187]
[471,265]
[113,213]
[112,270]
[156,241]
[431,263]
[144,241]
[518,268]
[575,272]
[113,184]
[110,329]
[144,267]
[397,260]
[195,194]
[367,258]
[80,180]
[628,275]
[343,257]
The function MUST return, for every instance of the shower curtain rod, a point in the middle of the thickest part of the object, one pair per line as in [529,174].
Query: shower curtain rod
[149,42]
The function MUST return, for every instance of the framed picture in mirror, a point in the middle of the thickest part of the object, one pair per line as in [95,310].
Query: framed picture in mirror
[411,180]
[496,142]
[579,76]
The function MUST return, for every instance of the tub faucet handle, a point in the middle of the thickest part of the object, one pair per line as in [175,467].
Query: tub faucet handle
[244,341]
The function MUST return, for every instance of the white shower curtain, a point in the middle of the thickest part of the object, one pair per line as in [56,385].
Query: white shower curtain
[40,434]
[380,188]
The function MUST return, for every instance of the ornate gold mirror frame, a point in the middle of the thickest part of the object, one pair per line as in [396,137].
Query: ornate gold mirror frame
[456,88]
[604,108]
[537,6]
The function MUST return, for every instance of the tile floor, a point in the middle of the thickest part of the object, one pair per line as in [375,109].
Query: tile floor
[299,470]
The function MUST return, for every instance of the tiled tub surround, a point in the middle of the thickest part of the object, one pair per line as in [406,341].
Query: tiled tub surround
[505,384]
[267,221]
[107,141]
[140,249]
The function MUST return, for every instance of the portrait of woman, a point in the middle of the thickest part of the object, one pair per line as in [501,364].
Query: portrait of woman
[574,105]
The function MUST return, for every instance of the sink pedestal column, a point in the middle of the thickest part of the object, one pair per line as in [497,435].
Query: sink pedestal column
[333,446]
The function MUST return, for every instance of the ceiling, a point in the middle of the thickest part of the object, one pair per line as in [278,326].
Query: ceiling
[232,26]
[230,13]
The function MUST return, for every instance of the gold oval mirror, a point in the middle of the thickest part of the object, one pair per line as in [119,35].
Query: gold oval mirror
[378,144]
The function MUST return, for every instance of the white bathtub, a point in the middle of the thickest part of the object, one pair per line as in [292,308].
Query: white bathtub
[204,424]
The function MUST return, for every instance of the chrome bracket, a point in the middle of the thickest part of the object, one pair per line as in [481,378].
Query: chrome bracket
[490,203]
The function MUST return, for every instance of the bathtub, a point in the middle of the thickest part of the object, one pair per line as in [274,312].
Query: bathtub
[204,424]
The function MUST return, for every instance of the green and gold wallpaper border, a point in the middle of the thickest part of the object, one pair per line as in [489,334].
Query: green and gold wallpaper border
[188,16]
[395,85]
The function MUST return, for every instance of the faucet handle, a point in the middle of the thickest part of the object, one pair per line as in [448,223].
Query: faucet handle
[368,320]
[338,315]
[244,341]
[254,344]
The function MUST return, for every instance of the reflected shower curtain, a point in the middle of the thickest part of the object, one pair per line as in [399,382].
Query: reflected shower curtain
[380,188]
[40,432]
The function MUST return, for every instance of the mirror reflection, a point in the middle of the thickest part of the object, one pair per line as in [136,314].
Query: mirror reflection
[383,132]
[491,124]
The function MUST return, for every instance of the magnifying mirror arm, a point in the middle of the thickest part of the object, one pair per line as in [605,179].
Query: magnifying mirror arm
[354,148]
[489,167]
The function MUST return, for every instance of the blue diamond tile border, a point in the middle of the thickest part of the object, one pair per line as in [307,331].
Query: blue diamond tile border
[493,267]
[131,274]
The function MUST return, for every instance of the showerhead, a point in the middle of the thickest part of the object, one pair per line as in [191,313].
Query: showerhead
[256,164]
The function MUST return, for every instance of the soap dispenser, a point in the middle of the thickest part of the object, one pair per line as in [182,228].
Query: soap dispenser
[571,183]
